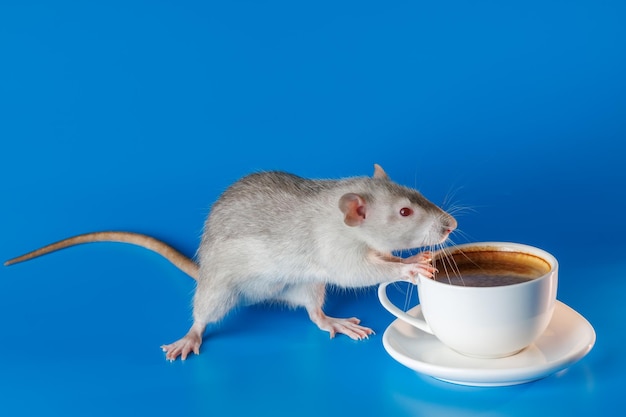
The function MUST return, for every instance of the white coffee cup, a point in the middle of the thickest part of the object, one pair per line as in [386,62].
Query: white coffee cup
[485,321]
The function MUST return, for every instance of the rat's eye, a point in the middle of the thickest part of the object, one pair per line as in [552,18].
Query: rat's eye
[405,211]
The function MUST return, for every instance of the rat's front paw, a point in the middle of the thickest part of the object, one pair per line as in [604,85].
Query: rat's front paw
[418,264]
[421,258]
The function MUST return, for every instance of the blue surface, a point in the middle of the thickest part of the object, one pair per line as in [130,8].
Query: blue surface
[135,116]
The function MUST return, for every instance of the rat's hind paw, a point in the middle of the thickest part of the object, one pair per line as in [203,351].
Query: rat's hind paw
[183,347]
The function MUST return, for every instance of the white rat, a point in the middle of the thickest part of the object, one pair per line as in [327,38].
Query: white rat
[277,236]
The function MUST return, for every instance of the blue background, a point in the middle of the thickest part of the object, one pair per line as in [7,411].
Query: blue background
[136,115]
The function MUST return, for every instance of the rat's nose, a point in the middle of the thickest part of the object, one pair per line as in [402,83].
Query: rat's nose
[449,224]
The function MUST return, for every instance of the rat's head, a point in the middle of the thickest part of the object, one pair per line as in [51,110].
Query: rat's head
[388,216]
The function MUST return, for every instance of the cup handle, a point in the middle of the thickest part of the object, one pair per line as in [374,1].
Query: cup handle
[413,321]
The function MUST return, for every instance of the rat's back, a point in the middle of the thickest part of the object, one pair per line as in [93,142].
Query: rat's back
[268,205]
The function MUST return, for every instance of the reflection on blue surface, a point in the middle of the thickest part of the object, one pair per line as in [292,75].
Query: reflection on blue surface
[136,116]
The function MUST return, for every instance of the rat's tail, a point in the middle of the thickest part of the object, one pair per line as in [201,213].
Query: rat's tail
[179,260]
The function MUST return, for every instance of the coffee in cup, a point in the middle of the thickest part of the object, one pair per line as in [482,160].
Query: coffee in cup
[487,300]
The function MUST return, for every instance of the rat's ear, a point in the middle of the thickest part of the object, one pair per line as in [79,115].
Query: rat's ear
[353,207]
[379,172]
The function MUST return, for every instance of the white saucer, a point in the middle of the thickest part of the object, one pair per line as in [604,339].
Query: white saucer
[568,338]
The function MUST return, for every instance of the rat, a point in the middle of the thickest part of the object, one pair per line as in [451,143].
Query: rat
[277,236]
